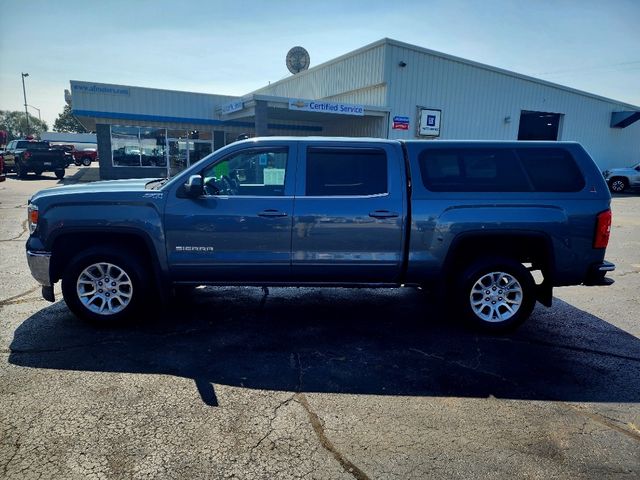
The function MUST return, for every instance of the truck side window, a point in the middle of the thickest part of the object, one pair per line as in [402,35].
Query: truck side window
[472,170]
[346,171]
[259,172]
[551,169]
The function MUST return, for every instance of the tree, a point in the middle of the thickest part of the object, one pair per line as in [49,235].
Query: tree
[66,122]
[15,124]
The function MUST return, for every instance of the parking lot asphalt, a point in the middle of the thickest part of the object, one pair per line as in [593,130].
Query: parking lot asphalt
[318,383]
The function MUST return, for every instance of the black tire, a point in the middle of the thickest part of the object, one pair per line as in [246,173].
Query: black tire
[38,172]
[20,169]
[618,184]
[507,305]
[86,161]
[106,261]
[59,174]
[77,162]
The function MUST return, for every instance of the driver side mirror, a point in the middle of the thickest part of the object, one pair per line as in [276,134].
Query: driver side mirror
[193,186]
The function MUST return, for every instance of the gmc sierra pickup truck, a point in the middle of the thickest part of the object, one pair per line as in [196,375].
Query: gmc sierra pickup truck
[476,217]
[24,156]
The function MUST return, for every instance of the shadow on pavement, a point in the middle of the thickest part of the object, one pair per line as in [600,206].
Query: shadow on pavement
[389,342]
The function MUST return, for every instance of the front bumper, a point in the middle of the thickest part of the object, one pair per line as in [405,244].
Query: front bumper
[39,265]
[597,272]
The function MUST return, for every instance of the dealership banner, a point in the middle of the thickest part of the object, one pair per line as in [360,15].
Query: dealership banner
[325,107]
[400,123]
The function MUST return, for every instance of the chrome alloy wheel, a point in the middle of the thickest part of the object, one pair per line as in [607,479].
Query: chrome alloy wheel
[104,288]
[496,297]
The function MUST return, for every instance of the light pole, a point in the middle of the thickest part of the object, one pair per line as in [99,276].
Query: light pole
[39,117]
[26,113]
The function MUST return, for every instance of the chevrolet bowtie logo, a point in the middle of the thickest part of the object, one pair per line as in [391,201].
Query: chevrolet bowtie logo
[300,104]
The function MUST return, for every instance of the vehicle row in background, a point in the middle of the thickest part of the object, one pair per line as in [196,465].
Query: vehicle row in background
[24,156]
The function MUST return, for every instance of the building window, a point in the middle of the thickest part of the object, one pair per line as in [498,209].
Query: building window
[153,143]
[125,146]
[138,146]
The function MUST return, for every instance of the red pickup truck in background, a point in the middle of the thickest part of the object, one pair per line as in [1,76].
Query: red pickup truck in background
[80,157]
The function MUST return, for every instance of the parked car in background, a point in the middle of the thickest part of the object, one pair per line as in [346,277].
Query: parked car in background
[620,179]
[2,175]
[24,156]
[79,157]
[85,157]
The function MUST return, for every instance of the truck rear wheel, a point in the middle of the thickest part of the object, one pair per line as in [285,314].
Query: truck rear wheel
[496,294]
[86,161]
[21,170]
[104,285]
[59,174]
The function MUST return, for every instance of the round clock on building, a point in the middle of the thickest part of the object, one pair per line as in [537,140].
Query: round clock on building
[297,60]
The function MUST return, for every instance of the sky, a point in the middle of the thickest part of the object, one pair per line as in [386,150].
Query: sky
[234,47]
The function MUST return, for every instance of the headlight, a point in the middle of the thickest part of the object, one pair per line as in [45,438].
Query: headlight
[32,217]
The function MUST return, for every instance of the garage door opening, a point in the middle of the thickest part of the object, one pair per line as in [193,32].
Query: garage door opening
[538,125]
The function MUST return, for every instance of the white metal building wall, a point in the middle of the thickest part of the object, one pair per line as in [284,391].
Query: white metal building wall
[476,101]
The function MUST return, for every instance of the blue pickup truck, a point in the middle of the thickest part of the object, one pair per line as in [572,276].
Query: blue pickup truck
[475,217]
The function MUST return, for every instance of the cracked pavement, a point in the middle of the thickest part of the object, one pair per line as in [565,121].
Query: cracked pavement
[318,383]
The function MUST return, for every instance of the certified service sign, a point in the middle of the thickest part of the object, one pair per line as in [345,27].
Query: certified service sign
[429,122]
[325,107]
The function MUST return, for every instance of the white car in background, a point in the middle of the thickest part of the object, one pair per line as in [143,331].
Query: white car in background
[620,179]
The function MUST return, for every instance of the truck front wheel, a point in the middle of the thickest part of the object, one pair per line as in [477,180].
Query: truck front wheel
[496,294]
[104,285]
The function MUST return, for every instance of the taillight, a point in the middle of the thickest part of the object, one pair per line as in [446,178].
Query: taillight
[603,230]
[26,155]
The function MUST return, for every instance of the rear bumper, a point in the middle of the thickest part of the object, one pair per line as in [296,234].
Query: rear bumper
[597,272]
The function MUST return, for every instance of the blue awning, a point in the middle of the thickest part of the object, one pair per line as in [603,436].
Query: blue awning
[624,119]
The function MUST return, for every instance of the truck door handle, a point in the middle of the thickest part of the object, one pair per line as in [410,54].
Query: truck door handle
[383,214]
[272,213]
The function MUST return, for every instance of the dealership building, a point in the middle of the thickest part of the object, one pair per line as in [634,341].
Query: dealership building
[387,89]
